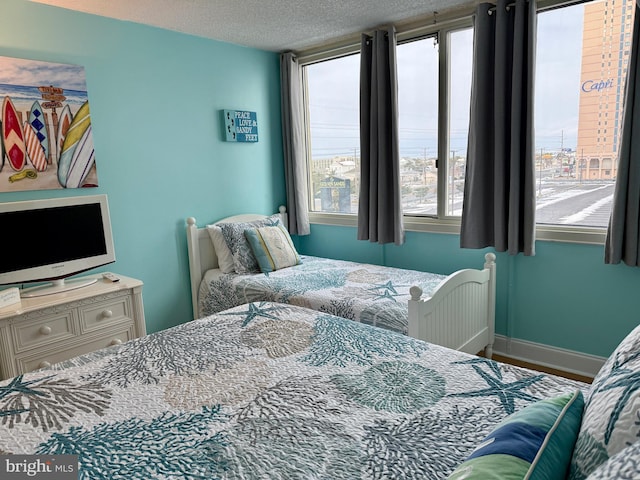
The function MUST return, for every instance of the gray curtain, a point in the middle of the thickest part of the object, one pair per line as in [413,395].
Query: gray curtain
[380,203]
[623,234]
[499,195]
[295,162]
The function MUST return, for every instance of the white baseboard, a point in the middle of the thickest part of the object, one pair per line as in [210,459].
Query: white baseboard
[545,355]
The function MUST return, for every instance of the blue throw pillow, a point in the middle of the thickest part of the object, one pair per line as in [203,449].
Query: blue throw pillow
[534,443]
[272,247]
[233,233]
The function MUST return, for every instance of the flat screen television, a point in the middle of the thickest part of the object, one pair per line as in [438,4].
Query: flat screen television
[51,240]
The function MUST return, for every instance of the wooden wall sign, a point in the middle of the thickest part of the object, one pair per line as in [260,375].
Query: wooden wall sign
[240,126]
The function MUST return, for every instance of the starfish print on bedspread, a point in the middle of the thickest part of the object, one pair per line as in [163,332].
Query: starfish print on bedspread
[507,392]
[482,361]
[386,296]
[386,291]
[257,310]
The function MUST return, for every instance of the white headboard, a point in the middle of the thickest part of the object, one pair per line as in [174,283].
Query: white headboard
[202,255]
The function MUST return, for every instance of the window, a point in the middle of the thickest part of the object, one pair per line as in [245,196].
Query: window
[461,45]
[332,88]
[334,134]
[573,187]
[577,93]
[418,125]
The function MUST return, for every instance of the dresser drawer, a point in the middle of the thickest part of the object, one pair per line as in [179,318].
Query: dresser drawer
[45,359]
[44,331]
[54,328]
[105,314]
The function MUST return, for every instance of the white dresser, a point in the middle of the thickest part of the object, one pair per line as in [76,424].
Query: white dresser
[45,330]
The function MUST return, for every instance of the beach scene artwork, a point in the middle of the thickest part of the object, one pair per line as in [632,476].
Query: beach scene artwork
[46,139]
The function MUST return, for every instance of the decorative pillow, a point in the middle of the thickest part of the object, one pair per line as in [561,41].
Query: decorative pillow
[233,233]
[225,259]
[533,443]
[624,465]
[611,419]
[272,247]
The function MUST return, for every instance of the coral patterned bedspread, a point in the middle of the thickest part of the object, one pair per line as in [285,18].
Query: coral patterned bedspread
[371,294]
[266,391]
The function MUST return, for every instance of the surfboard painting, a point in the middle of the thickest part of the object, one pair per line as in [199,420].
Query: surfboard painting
[46,129]
[82,160]
[79,125]
[64,120]
[36,120]
[13,136]
[35,152]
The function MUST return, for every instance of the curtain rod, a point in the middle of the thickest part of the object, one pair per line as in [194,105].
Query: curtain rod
[493,9]
[547,5]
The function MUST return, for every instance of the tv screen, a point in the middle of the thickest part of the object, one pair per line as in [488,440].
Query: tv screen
[51,235]
[54,239]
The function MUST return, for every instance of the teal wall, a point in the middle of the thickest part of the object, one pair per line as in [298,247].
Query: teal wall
[564,296]
[155,98]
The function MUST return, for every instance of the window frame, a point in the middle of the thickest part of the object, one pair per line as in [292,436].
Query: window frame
[442,223]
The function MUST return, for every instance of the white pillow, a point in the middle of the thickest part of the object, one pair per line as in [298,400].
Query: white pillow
[225,258]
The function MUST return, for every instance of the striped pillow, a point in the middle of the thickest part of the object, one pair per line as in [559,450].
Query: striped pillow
[533,443]
[272,247]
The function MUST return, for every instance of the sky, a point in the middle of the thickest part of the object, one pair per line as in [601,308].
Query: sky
[16,71]
[334,92]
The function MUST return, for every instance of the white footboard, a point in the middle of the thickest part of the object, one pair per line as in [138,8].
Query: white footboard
[461,312]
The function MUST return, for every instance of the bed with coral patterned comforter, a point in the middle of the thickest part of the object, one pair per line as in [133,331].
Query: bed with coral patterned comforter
[371,294]
[266,391]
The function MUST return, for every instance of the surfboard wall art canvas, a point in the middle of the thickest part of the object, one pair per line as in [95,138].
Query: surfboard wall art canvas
[46,137]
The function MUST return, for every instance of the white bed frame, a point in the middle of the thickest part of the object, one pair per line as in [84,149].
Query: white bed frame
[460,314]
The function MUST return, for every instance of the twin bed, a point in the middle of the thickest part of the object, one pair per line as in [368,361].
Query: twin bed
[456,311]
[273,390]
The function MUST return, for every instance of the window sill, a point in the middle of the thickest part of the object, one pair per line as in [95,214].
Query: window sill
[555,233]
[548,233]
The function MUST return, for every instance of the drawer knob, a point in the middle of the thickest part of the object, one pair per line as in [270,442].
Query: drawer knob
[107,314]
[116,341]
[45,330]
[44,364]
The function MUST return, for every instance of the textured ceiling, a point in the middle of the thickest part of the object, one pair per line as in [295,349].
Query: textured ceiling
[274,25]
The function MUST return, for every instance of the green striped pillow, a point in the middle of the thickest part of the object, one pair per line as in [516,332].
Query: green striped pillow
[272,247]
[534,443]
